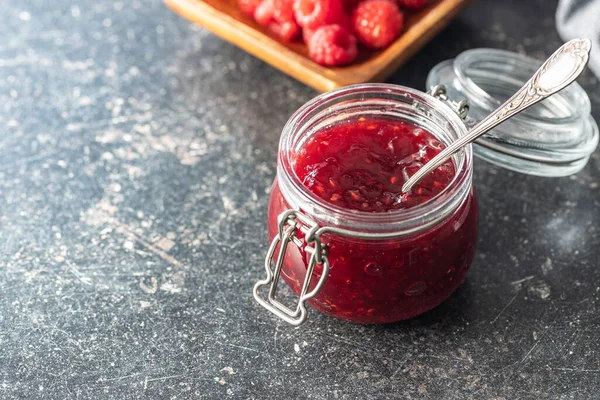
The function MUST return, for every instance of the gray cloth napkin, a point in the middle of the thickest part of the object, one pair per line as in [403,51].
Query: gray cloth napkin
[581,19]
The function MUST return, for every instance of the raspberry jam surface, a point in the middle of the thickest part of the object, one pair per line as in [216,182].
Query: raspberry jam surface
[361,165]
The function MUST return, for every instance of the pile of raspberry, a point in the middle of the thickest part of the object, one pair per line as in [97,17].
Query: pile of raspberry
[332,29]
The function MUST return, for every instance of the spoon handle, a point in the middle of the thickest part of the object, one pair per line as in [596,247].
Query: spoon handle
[557,72]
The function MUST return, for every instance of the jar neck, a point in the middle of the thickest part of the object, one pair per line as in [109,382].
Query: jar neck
[391,101]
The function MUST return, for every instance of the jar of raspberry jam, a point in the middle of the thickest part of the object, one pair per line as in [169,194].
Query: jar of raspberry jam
[346,239]
[343,235]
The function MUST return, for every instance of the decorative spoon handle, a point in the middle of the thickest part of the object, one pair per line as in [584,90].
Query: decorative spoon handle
[559,71]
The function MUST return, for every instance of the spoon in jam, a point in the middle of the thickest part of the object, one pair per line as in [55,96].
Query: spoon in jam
[557,72]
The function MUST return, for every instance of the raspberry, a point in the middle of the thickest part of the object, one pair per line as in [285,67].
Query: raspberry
[264,12]
[332,45]
[413,4]
[312,14]
[307,34]
[345,22]
[287,31]
[377,23]
[278,17]
[283,11]
[249,6]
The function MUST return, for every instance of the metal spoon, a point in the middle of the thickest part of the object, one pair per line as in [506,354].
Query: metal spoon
[557,72]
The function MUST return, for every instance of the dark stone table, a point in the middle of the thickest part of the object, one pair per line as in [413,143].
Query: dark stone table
[136,156]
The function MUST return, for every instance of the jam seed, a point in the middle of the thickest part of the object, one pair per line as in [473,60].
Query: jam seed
[393,180]
[355,195]
[335,197]
[332,182]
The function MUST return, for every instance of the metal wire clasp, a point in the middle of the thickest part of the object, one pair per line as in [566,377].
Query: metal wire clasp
[289,223]
[460,107]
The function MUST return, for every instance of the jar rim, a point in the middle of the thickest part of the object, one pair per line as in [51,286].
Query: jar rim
[422,105]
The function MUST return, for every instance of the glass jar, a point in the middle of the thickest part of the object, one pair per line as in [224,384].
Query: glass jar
[359,266]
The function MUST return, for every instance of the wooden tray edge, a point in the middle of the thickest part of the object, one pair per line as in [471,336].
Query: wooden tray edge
[320,78]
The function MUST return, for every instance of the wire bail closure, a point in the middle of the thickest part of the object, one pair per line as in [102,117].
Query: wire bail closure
[289,223]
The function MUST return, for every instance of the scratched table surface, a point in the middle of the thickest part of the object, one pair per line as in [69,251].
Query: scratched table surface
[136,156]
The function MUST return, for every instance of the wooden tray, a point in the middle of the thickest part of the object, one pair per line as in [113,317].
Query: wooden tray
[224,18]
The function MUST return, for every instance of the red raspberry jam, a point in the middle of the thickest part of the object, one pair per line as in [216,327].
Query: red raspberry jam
[361,165]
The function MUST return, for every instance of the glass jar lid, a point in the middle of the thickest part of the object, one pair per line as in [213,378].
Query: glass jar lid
[553,138]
